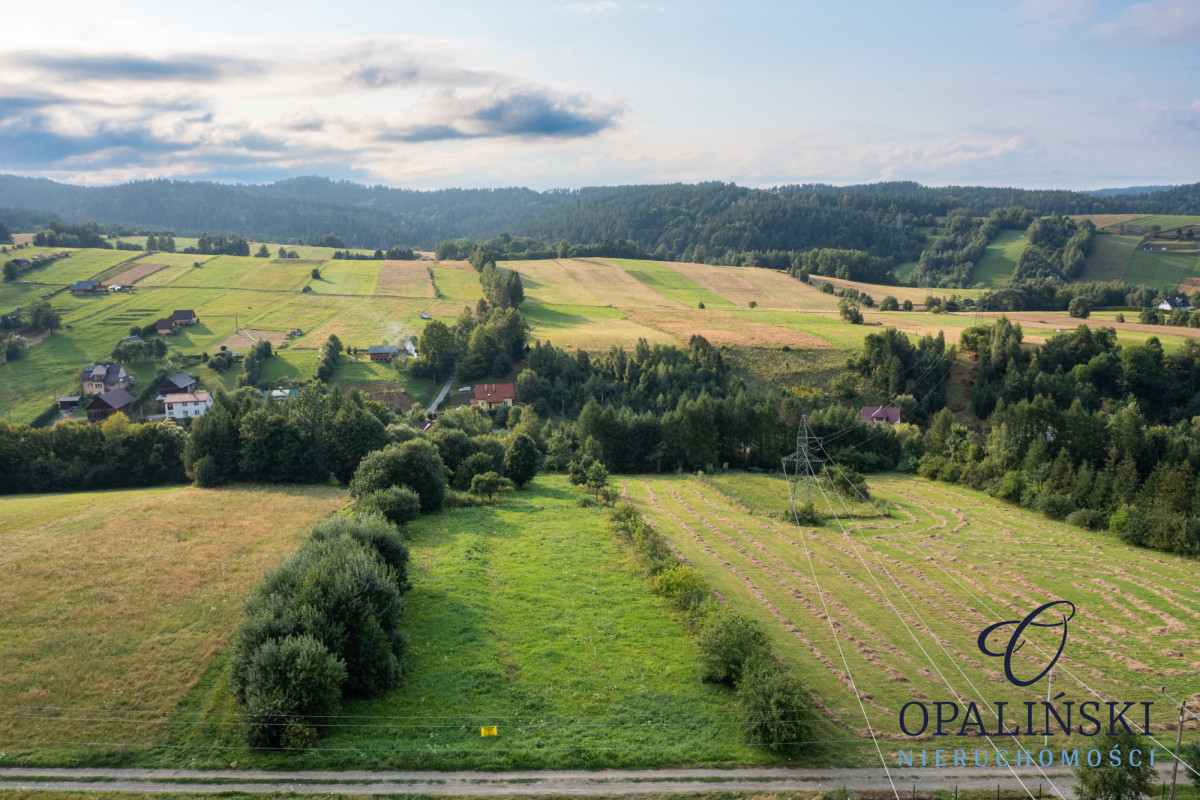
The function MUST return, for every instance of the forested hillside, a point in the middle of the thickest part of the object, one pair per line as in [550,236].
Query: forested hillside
[700,221]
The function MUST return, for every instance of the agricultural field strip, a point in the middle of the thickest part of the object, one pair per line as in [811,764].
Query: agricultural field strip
[1012,587]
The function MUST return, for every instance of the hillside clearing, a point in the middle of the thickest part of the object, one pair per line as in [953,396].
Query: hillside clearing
[1000,259]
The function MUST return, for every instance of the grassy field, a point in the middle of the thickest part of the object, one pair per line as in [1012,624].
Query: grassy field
[592,304]
[1165,270]
[1109,258]
[670,281]
[1000,259]
[527,616]
[121,600]
[951,561]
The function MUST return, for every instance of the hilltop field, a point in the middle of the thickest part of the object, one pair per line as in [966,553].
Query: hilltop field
[579,304]
[530,616]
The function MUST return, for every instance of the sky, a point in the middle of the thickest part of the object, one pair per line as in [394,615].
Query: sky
[1075,94]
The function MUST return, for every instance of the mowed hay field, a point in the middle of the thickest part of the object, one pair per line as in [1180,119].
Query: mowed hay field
[526,615]
[119,601]
[951,561]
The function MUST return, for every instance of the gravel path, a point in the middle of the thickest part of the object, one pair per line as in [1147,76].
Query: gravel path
[565,782]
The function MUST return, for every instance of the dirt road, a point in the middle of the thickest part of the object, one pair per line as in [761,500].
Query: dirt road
[566,782]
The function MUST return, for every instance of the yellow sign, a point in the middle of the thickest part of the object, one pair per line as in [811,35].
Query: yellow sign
[488,730]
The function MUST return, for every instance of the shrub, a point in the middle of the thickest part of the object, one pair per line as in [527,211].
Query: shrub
[398,504]
[1055,506]
[774,705]
[1012,486]
[684,585]
[292,677]
[727,641]
[472,465]
[807,514]
[1088,518]
[376,532]
[416,464]
[490,484]
[205,473]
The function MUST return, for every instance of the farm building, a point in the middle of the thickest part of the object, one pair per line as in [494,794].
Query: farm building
[383,352]
[184,316]
[109,403]
[165,326]
[280,395]
[69,403]
[135,339]
[105,378]
[1172,303]
[176,384]
[86,287]
[494,395]
[880,415]
[187,405]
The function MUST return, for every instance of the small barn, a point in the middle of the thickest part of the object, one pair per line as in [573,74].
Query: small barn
[109,403]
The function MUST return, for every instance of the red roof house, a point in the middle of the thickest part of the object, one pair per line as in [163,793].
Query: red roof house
[494,395]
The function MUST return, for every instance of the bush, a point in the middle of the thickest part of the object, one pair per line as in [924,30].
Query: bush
[1055,506]
[774,705]
[397,504]
[376,532]
[490,484]
[807,514]
[727,641]
[416,464]
[292,677]
[1088,518]
[1012,486]
[205,473]
[472,465]
[684,585]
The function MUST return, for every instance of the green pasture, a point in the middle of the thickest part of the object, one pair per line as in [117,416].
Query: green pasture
[1163,270]
[526,615]
[1000,259]
[80,265]
[1165,221]
[1109,258]
[830,329]
[671,283]
[346,277]
[456,283]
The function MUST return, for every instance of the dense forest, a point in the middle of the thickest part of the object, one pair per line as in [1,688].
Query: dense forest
[701,222]
[1082,428]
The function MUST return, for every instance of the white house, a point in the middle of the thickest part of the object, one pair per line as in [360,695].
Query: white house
[185,405]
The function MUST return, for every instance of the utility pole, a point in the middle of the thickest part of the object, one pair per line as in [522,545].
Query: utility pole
[1049,683]
[1178,741]
[801,459]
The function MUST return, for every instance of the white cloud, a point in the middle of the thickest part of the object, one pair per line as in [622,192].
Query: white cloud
[1157,22]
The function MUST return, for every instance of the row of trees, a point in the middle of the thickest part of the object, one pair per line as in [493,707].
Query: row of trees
[1057,250]
[393,254]
[774,708]
[57,234]
[321,626]
[949,261]
[116,454]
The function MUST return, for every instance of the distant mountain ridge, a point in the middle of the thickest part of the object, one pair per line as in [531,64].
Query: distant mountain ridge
[877,217]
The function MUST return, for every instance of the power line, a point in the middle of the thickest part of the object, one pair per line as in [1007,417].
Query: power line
[1062,667]
[803,454]
[923,623]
